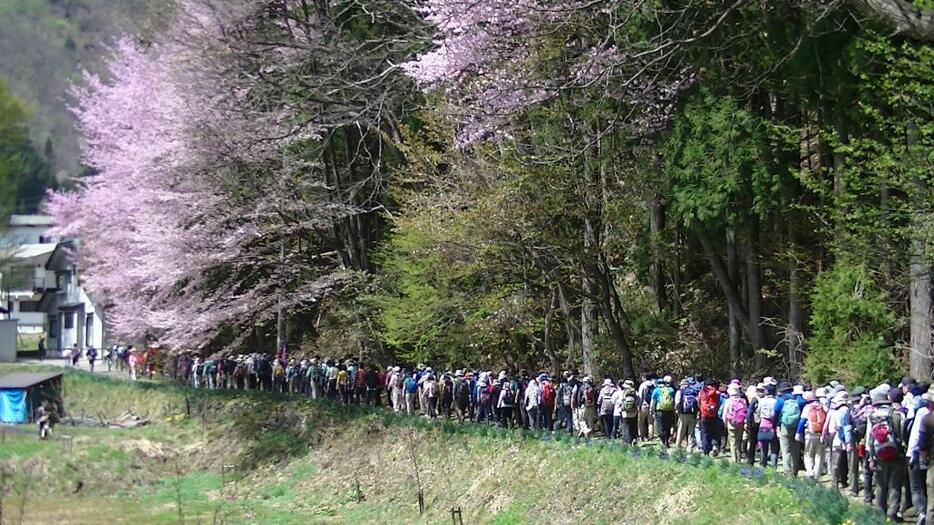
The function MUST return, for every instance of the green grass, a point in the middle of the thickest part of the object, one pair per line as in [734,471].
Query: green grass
[298,461]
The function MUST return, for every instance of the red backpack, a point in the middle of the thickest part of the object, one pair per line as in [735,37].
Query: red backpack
[548,395]
[709,402]
[817,417]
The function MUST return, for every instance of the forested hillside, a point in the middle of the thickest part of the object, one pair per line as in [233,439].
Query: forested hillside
[44,44]
[700,187]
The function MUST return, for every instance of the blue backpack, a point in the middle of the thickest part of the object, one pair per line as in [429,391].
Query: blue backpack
[689,403]
[410,385]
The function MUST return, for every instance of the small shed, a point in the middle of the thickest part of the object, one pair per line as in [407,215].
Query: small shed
[21,394]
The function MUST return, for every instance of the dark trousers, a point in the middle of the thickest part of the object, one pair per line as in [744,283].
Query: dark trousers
[629,430]
[663,423]
[751,443]
[567,417]
[505,416]
[544,415]
[710,434]
[608,425]
[841,460]
[916,480]
[888,486]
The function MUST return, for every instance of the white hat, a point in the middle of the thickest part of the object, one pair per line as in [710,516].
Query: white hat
[458,372]
[667,380]
[732,390]
[798,390]
[770,381]
[820,393]
[809,396]
[396,369]
[607,382]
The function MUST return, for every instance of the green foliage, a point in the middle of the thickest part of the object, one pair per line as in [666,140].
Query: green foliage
[716,165]
[24,174]
[852,328]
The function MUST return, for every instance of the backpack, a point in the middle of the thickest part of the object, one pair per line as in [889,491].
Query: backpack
[884,445]
[764,414]
[817,417]
[607,405]
[485,394]
[566,393]
[791,413]
[430,389]
[461,392]
[689,402]
[737,415]
[709,403]
[410,385]
[588,396]
[506,395]
[666,401]
[629,402]
[548,395]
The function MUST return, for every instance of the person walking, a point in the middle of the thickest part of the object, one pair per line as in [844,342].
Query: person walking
[709,418]
[546,407]
[587,407]
[884,447]
[735,412]
[812,428]
[627,405]
[687,403]
[645,391]
[765,419]
[662,409]
[531,400]
[916,469]
[505,403]
[607,404]
[787,414]
[91,354]
[840,428]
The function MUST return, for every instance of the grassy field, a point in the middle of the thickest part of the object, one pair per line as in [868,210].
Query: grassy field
[254,458]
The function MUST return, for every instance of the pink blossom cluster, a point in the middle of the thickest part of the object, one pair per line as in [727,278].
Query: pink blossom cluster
[498,58]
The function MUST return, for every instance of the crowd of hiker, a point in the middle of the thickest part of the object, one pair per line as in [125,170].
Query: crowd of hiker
[874,442]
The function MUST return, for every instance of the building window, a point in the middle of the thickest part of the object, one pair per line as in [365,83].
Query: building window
[69,320]
[29,306]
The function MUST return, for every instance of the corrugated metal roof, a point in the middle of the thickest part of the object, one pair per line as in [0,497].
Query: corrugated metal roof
[26,379]
[31,220]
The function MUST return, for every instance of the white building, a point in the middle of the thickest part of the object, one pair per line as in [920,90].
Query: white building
[42,288]
[27,229]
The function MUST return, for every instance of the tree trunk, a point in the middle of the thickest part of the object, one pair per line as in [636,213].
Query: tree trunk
[613,314]
[735,335]
[657,226]
[727,285]
[922,323]
[794,331]
[901,16]
[573,332]
[588,310]
[754,292]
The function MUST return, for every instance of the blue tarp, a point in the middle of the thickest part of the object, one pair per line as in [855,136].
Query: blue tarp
[13,405]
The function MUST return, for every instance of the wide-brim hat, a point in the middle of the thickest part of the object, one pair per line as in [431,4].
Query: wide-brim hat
[798,390]
[607,382]
[784,387]
[879,398]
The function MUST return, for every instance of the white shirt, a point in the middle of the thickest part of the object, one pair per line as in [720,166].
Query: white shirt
[915,434]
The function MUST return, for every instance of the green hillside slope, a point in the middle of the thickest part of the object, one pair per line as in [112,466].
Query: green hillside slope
[44,45]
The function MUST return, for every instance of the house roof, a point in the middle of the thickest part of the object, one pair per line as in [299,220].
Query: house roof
[30,251]
[31,220]
[26,379]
